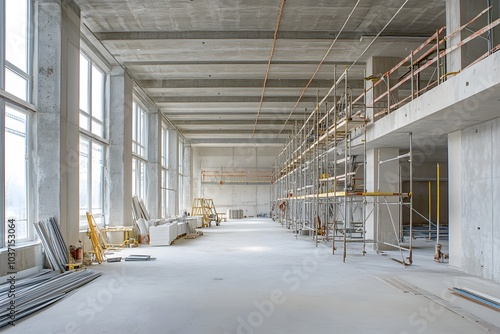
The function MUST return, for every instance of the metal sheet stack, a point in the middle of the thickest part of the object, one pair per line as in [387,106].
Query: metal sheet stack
[53,243]
[41,290]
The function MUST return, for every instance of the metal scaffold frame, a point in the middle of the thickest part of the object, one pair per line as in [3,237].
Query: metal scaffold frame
[316,179]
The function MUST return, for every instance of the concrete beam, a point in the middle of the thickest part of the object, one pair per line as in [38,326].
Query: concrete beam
[243,83]
[236,62]
[231,131]
[245,141]
[231,99]
[244,34]
[229,120]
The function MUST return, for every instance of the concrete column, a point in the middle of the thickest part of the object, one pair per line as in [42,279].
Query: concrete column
[455,198]
[187,198]
[377,66]
[57,76]
[173,173]
[153,174]
[379,225]
[458,13]
[120,149]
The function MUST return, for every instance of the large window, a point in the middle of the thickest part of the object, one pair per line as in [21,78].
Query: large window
[15,79]
[92,101]
[164,171]
[16,170]
[93,144]
[92,179]
[139,149]
[180,188]
[17,61]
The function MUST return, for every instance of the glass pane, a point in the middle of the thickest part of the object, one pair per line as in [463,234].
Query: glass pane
[84,121]
[134,123]
[134,176]
[142,180]
[84,176]
[84,84]
[97,94]
[16,85]
[97,178]
[16,170]
[97,128]
[16,33]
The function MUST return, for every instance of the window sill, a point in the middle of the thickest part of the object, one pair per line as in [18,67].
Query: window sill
[21,246]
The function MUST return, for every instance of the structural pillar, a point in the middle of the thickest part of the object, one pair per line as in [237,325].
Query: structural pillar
[379,226]
[57,118]
[375,68]
[455,198]
[120,149]
[153,174]
[458,13]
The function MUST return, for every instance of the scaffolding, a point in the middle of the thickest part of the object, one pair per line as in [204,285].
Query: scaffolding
[205,208]
[320,177]
[319,184]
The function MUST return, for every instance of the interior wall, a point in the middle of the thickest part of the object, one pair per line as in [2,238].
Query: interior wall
[423,173]
[253,199]
[479,202]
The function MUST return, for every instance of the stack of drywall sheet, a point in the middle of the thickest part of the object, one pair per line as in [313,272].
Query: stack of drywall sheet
[164,234]
[235,213]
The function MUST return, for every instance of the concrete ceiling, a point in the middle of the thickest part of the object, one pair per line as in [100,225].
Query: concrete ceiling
[203,63]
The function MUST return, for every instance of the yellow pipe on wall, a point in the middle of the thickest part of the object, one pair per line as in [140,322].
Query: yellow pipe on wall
[430,210]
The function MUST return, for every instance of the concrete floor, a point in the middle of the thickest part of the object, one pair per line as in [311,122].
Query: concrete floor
[252,276]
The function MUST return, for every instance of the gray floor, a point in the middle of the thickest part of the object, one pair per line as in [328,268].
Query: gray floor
[252,276]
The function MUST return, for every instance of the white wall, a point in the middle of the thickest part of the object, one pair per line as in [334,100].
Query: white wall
[478,203]
[253,199]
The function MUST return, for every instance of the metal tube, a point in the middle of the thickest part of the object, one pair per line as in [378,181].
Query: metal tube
[430,211]
[410,257]
[438,202]
[411,75]
[334,161]
[346,138]
[437,58]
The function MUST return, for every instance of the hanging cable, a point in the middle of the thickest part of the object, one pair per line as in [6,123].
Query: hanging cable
[380,32]
[319,65]
[269,65]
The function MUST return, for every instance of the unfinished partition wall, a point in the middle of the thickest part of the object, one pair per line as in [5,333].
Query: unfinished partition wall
[234,177]
[475,213]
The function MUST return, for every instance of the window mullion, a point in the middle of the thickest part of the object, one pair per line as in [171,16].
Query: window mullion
[2,164]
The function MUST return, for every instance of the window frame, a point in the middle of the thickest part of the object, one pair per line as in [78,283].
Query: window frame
[91,119]
[94,138]
[139,130]
[29,195]
[164,191]
[23,105]
[7,65]
[100,217]
[180,173]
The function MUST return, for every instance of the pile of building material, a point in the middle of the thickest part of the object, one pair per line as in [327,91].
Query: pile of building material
[478,297]
[21,297]
[38,291]
[235,213]
[53,243]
